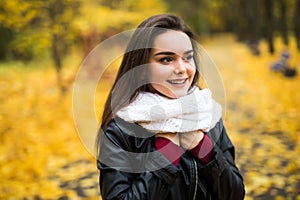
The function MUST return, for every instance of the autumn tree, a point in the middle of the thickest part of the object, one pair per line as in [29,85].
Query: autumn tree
[59,15]
[17,24]
[38,26]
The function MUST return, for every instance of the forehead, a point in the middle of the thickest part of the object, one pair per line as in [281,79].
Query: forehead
[174,41]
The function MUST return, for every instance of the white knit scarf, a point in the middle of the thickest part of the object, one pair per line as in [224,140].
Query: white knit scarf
[194,111]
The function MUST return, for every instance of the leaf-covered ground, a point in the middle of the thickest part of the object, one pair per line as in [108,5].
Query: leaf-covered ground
[42,156]
[262,118]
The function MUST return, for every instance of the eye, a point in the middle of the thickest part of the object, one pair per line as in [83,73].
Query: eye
[188,58]
[166,60]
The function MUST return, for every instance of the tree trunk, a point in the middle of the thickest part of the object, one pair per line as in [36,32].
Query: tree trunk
[57,49]
[55,10]
[297,23]
[269,23]
[283,21]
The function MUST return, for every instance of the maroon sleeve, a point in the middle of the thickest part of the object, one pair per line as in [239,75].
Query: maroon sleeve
[170,150]
[203,150]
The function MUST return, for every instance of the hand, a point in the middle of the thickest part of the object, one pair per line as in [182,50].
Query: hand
[174,137]
[189,140]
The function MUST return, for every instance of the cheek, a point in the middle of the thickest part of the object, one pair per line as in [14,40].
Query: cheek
[191,70]
[159,74]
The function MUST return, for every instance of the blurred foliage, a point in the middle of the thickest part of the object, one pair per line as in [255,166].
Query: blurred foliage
[33,25]
[102,19]
[33,29]
[216,15]
[249,20]
[52,28]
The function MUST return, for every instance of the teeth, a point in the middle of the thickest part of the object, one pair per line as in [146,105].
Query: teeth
[177,81]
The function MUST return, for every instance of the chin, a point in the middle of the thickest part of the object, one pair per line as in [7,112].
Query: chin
[176,95]
[172,94]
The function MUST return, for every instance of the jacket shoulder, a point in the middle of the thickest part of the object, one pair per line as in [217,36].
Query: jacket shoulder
[128,135]
[220,137]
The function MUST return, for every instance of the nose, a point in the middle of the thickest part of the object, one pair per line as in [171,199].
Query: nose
[180,67]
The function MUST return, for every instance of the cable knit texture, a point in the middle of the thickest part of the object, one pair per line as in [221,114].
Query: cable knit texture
[194,111]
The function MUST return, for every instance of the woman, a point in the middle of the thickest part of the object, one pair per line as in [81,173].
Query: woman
[161,136]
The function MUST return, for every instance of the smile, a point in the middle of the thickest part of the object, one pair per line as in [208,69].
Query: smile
[178,81]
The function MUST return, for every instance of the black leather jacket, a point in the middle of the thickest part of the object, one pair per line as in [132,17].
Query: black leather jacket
[131,168]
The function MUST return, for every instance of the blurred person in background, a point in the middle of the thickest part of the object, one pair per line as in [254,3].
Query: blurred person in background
[162,135]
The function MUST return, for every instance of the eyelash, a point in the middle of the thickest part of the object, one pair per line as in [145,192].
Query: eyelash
[170,59]
[189,57]
[166,59]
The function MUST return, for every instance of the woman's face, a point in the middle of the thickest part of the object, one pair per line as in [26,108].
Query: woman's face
[172,66]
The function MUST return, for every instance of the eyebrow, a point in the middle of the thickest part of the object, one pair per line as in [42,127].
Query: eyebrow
[171,53]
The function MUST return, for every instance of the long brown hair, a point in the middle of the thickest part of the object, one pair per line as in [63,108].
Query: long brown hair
[138,54]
